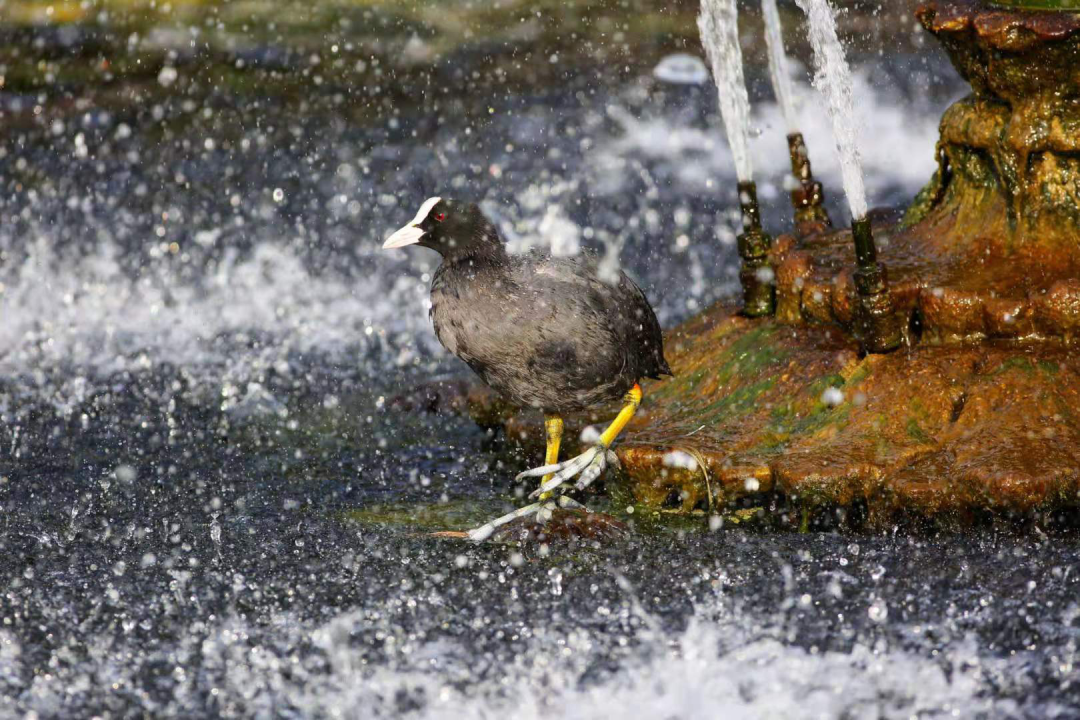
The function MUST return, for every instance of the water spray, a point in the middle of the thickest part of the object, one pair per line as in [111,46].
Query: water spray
[879,327]
[719,26]
[808,198]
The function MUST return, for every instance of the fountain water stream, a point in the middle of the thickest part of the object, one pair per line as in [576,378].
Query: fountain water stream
[719,26]
[877,325]
[778,67]
[807,197]
[833,79]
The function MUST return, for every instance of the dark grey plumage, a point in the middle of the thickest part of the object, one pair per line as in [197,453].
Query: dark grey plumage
[543,331]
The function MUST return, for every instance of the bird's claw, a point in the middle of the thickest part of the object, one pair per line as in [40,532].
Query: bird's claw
[543,511]
[589,464]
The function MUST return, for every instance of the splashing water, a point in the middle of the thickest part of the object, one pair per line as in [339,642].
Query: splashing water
[833,79]
[778,67]
[719,26]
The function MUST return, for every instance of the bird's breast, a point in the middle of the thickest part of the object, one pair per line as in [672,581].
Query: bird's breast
[469,320]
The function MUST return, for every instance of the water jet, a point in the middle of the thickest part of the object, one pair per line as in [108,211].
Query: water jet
[875,324]
[718,23]
[808,198]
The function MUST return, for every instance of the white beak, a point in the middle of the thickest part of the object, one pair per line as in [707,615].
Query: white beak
[411,233]
[408,235]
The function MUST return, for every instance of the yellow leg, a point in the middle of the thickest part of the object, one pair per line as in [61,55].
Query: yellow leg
[554,426]
[589,464]
[633,399]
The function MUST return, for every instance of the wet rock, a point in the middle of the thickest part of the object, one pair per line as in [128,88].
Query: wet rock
[990,247]
[933,431]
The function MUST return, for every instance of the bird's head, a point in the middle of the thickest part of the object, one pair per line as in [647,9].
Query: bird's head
[451,228]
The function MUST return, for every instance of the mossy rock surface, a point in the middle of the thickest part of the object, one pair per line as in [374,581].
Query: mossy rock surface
[794,412]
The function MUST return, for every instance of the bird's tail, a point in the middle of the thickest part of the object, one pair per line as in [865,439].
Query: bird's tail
[662,369]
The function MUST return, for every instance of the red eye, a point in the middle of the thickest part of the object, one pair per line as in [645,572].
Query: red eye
[439,217]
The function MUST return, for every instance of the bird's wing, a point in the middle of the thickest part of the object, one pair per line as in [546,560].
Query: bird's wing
[609,314]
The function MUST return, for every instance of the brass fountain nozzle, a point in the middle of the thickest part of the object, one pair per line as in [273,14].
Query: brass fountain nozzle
[757,277]
[877,324]
[809,198]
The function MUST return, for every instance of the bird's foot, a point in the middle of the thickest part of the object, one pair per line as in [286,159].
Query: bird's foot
[589,464]
[549,521]
[543,511]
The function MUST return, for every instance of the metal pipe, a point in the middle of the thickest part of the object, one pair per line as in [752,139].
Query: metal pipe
[748,203]
[865,249]
[809,198]
[757,277]
[877,324]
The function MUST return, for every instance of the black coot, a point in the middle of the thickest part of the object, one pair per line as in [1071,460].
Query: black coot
[545,332]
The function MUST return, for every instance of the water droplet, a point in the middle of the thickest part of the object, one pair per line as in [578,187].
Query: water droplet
[878,611]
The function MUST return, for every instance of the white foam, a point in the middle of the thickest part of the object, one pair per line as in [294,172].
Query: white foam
[699,155]
[719,666]
[543,223]
[681,69]
[90,317]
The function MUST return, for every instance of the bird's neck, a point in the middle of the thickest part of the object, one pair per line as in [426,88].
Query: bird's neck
[472,265]
[484,247]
